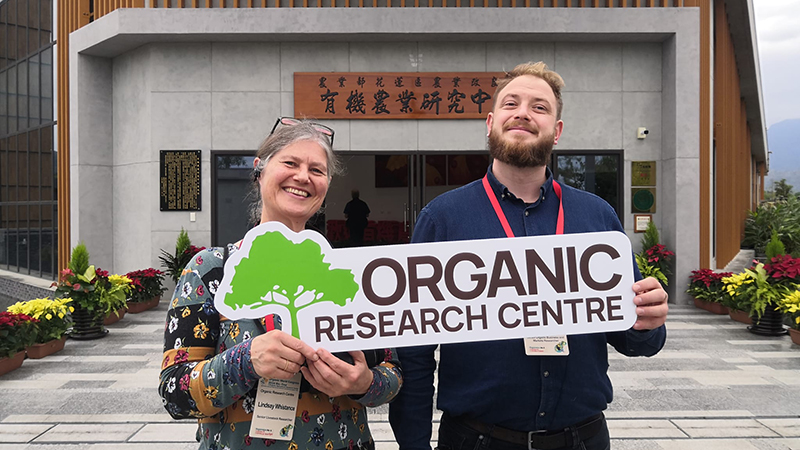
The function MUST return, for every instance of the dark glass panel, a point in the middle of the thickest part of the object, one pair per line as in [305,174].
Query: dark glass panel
[46,19]
[46,84]
[3,102]
[23,237]
[3,36]
[231,186]
[34,166]
[572,170]
[33,16]
[3,235]
[607,179]
[22,167]
[11,36]
[4,164]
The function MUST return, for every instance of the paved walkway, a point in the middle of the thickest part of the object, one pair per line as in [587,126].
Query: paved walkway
[714,386]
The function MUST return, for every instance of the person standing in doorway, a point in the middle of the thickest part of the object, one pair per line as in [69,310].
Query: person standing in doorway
[495,395]
[356,212]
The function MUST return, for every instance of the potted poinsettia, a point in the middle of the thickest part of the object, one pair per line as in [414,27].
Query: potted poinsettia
[706,288]
[17,331]
[54,318]
[146,289]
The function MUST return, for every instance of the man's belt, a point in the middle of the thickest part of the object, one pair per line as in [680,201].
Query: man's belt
[541,440]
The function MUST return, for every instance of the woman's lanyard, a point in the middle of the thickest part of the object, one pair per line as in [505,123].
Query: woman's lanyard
[501,215]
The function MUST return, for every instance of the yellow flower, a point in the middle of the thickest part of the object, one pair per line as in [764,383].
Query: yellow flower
[200,331]
[185,313]
[210,392]
[234,332]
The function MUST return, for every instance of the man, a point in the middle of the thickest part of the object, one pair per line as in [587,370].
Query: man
[492,395]
[356,212]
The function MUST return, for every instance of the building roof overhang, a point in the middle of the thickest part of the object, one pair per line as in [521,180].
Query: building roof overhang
[741,18]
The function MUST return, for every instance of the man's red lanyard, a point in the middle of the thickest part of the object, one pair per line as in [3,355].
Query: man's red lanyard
[501,215]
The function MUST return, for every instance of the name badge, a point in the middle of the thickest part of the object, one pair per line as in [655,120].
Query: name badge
[547,346]
[276,408]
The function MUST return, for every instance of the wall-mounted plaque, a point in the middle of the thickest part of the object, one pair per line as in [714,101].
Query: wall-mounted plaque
[179,173]
[640,222]
[643,200]
[643,173]
[394,95]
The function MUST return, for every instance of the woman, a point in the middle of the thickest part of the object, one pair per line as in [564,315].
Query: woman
[212,365]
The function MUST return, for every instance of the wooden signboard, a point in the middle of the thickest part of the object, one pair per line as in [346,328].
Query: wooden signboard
[394,95]
[179,178]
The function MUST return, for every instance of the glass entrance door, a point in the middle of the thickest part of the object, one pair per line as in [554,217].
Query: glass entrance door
[395,187]
[597,172]
[230,202]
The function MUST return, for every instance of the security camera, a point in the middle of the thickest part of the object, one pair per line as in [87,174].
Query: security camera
[642,132]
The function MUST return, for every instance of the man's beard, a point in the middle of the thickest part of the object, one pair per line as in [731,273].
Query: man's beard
[521,154]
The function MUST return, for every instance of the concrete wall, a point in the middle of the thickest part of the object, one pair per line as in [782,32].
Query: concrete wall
[157,92]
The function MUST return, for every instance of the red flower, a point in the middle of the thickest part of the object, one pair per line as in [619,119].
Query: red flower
[76,287]
[784,266]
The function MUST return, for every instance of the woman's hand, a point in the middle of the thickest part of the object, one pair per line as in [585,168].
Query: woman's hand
[279,355]
[334,377]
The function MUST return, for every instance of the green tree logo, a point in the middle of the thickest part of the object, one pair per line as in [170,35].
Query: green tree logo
[293,275]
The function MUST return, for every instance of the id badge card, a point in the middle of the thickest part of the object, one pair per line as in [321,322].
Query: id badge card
[276,407]
[547,346]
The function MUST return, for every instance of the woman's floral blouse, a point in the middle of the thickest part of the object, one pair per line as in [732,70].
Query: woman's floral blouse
[206,373]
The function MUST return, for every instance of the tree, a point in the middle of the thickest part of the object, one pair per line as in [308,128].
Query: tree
[294,275]
[781,190]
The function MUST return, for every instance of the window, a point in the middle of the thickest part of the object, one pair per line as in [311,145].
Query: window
[597,172]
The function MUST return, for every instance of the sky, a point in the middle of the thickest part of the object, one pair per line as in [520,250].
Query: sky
[778,33]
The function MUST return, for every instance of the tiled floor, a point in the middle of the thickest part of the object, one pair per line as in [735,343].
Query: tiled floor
[714,386]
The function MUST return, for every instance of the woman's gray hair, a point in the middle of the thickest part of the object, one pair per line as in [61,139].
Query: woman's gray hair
[283,137]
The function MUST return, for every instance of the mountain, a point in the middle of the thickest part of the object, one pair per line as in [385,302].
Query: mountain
[784,159]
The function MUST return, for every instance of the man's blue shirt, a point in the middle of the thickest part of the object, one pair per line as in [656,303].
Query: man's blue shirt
[495,382]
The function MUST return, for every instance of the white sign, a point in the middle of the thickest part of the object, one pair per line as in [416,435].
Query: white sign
[430,293]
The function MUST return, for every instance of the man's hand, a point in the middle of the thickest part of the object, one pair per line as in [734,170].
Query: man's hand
[651,304]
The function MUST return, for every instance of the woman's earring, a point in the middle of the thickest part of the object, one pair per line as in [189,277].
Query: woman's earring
[256,175]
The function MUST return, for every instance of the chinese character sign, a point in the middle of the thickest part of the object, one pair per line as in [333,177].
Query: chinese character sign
[404,95]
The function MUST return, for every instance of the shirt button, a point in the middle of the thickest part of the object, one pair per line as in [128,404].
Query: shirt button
[546,374]
[526,213]
[541,414]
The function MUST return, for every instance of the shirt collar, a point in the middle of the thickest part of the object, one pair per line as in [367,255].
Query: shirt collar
[502,191]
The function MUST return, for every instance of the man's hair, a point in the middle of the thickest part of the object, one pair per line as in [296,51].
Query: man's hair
[538,70]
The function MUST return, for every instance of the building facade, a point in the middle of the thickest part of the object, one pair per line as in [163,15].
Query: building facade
[143,81]
[28,189]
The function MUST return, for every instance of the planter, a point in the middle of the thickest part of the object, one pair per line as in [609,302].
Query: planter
[86,325]
[712,307]
[12,363]
[770,324]
[114,318]
[795,335]
[37,351]
[137,307]
[740,316]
